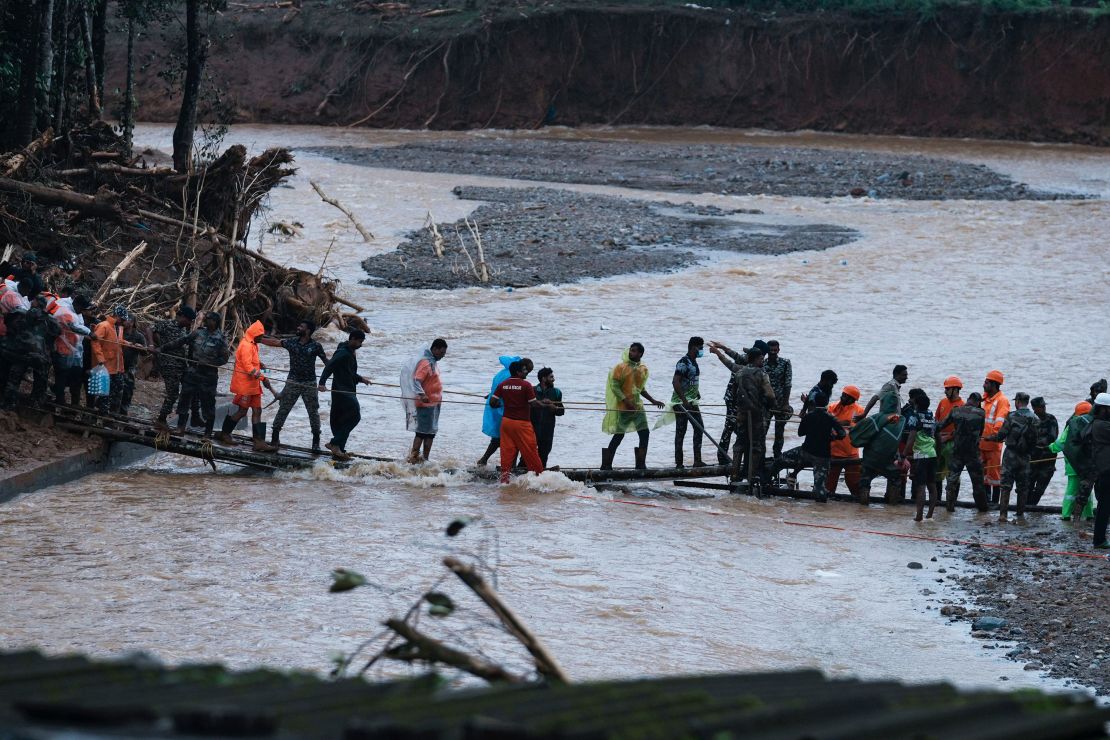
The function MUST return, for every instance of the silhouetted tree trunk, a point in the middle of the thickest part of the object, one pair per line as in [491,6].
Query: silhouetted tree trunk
[28,69]
[99,37]
[196,51]
[90,65]
[128,121]
[62,70]
[45,72]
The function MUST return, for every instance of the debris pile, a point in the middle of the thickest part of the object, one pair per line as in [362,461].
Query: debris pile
[151,238]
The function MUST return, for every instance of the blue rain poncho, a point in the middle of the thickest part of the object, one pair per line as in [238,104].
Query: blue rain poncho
[491,419]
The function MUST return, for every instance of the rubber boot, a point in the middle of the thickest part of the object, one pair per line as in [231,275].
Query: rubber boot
[950,496]
[1003,504]
[181,419]
[225,432]
[607,458]
[1021,496]
[641,458]
[208,428]
[995,493]
[160,423]
[259,434]
[316,443]
[275,438]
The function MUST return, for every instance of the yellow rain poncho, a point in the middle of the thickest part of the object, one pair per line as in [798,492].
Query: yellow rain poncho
[625,407]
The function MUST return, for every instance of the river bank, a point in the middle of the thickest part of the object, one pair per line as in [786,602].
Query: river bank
[1053,606]
[532,236]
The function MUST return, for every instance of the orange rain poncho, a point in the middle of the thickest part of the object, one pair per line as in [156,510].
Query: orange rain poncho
[245,381]
[627,381]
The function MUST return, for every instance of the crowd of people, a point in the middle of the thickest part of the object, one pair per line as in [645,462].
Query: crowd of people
[1002,446]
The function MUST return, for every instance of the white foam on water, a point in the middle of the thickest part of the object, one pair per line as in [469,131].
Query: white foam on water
[549,481]
[423,475]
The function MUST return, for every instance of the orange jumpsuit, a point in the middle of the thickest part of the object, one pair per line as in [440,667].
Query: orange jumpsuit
[841,449]
[996,408]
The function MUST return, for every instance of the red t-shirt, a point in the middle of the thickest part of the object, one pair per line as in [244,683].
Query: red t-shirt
[516,394]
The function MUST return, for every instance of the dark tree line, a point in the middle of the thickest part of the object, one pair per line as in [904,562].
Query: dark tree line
[52,64]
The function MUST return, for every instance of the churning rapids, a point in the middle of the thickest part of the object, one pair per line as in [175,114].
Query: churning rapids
[192,566]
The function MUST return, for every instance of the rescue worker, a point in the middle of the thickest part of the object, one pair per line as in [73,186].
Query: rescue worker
[543,416]
[301,381]
[208,351]
[781,374]
[899,376]
[345,410]
[517,397]
[68,356]
[1079,456]
[845,456]
[136,344]
[624,409]
[28,269]
[246,383]
[1043,465]
[1075,481]
[952,387]
[1019,432]
[819,428]
[739,359]
[171,362]
[967,431]
[996,407]
[754,398]
[684,401]
[879,437]
[107,348]
[1097,439]
[824,388]
[14,299]
[28,348]
[921,452]
[491,416]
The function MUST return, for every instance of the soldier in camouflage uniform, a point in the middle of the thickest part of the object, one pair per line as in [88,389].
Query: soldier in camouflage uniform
[968,421]
[754,397]
[171,363]
[1048,429]
[208,352]
[781,374]
[1019,432]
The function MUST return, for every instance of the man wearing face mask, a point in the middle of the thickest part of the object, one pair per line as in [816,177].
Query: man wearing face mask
[685,399]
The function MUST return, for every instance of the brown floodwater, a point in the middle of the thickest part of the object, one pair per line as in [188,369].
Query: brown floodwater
[169,558]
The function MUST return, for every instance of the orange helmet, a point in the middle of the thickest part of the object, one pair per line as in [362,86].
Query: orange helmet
[852,391]
[996,376]
[1082,407]
[953,382]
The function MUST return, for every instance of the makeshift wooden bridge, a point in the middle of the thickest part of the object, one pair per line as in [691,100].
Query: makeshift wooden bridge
[291,457]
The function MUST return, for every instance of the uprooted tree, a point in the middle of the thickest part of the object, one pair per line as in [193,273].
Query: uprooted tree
[83,204]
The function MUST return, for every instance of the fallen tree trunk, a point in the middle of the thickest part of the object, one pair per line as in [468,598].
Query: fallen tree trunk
[114,276]
[420,647]
[105,204]
[366,235]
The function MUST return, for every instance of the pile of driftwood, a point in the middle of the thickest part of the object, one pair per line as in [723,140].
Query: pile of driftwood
[152,238]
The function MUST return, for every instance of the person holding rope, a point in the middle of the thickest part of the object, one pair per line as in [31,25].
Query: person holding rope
[739,359]
[1096,437]
[543,417]
[781,374]
[1075,481]
[517,398]
[819,428]
[626,384]
[996,407]
[684,402]
[345,412]
[1043,467]
[422,399]
[491,416]
[208,351]
[921,452]
[845,455]
[754,398]
[301,381]
[246,383]
[967,429]
[171,363]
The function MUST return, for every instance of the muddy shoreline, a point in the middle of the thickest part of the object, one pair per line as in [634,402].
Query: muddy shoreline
[1055,607]
[533,236]
[700,168]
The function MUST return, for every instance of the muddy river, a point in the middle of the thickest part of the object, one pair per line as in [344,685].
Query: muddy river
[191,566]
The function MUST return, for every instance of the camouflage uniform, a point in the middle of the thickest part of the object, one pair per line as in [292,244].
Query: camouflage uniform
[731,392]
[969,421]
[171,364]
[1048,429]
[754,397]
[1019,432]
[28,349]
[301,383]
[781,375]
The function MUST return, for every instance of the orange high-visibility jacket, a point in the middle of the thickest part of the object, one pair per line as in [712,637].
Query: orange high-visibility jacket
[106,347]
[844,414]
[243,382]
[997,408]
[944,408]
